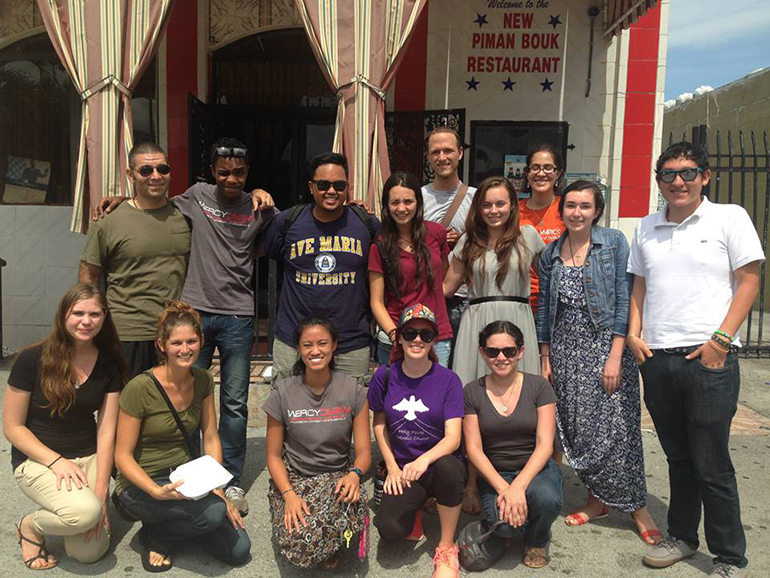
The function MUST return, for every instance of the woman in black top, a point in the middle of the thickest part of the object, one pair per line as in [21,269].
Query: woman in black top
[62,458]
[509,427]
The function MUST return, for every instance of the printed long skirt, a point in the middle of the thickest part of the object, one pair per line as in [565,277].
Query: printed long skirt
[328,524]
[601,434]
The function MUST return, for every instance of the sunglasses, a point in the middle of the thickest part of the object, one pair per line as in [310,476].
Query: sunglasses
[534,169]
[493,352]
[323,185]
[231,152]
[147,170]
[669,175]
[427,335]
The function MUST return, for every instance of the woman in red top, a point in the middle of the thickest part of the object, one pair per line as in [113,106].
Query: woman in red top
[407,263]
[545,169]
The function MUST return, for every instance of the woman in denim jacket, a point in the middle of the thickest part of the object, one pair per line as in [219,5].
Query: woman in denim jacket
[582,325]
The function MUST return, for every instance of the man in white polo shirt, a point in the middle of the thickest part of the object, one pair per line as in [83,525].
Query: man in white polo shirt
[696,266]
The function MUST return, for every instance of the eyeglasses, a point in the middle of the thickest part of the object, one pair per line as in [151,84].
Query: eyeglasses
[534,169]
[427,335]
[231,152]
[323,185]
[669,175]
[147,170]
[509,352]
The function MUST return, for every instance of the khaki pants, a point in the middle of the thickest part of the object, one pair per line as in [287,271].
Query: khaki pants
[355,363]
[65,513]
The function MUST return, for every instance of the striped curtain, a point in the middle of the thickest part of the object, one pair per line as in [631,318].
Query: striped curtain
[620,14]
[359,45]
[105,46]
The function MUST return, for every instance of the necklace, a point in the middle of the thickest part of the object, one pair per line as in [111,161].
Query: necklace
[540,215]
[510,393]
[405,244]
[572,254]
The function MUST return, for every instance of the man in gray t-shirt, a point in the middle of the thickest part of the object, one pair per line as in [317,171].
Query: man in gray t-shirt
[445,149]
[224,226]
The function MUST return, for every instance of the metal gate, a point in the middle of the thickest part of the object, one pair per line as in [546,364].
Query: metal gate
[741,175]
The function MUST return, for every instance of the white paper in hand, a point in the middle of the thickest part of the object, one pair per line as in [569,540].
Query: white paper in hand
[200,477]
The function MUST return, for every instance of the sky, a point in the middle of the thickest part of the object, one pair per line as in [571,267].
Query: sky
[713,42]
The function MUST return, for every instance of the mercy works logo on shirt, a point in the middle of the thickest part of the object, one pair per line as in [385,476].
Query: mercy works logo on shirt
[321,415]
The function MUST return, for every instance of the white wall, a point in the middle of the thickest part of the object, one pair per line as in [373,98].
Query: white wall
[42,258]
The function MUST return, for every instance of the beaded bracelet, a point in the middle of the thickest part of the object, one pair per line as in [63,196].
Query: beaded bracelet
[727,336]
[723,342]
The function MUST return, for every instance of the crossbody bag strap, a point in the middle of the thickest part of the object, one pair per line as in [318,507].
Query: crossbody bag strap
[187,439]
[450,213]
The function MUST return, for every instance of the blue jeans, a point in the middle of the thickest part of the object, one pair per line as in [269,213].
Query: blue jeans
[544,502]
[166,522]
[442,348]
[692,407]
[233,335]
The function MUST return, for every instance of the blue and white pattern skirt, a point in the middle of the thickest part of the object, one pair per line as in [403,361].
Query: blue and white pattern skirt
[601,434]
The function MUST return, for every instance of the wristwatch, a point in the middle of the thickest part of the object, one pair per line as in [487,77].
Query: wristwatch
[358,472]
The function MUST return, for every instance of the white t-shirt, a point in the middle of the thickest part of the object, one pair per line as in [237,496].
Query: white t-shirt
[435,204]
[689,269]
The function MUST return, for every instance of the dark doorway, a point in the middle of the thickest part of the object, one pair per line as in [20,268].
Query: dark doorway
[281,142]
[493,140]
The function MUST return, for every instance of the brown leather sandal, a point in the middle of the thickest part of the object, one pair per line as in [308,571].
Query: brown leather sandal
[535,557]
[42,553]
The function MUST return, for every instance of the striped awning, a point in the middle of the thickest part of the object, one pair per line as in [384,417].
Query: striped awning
[620,14]
[105,46]
[359,45]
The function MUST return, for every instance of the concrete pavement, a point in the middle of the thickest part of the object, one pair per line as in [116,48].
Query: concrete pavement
[607,548]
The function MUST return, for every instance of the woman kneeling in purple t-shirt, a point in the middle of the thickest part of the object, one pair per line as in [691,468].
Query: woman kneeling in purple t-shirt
[509,426]
[318,506]
[418,410]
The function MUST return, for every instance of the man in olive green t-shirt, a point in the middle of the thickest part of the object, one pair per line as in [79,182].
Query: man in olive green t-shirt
[141,249]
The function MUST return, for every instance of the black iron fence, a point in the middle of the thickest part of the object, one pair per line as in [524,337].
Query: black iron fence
[740,168]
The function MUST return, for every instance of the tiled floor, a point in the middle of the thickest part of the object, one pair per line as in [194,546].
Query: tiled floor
[745,423]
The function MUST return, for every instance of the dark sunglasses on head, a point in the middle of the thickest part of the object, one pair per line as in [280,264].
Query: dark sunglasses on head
[231,152]
[427,335]
[493,352]
[323,185]
[147,170]
[669,175]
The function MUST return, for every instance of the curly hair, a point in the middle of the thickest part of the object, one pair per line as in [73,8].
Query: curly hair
[387,240]
[477,242]
[57,373]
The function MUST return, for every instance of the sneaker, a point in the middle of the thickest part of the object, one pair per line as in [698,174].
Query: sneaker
[722,570]
[446,556]
[237,496]
[668,552]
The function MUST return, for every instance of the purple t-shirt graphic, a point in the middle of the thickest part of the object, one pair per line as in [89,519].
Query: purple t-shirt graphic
[416,408]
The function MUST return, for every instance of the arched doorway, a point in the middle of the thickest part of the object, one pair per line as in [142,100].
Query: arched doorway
[268,91]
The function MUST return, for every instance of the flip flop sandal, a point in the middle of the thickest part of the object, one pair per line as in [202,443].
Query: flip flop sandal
[648,535]
[533,558]
[42,553]
[148,566]
[580,518]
